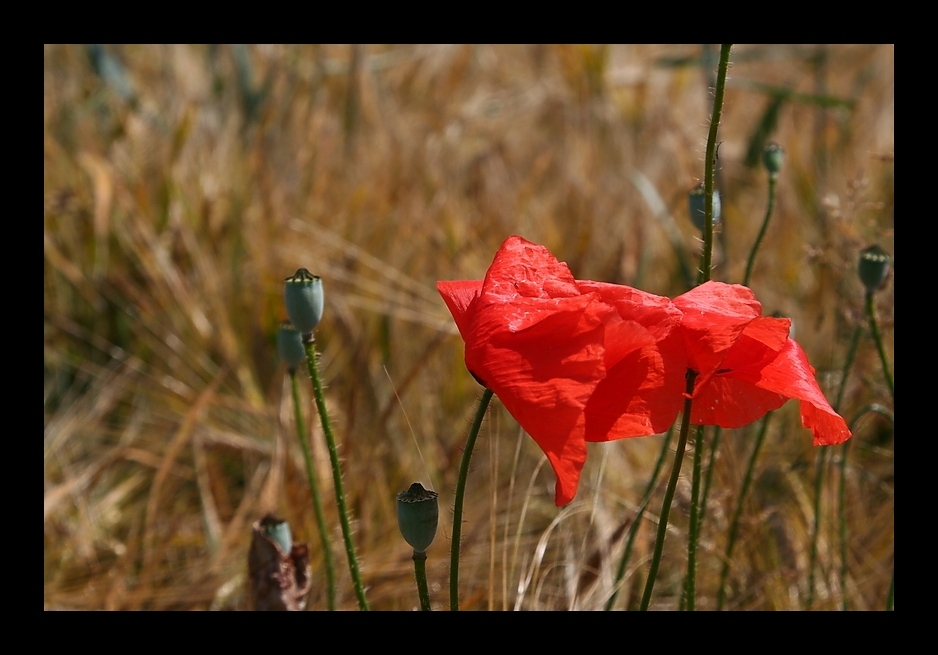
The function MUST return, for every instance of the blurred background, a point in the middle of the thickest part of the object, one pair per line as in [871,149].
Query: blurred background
[182,184]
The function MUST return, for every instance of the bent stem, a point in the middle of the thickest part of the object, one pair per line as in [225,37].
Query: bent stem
[312,362]
[738,512]
[633,529]
[313,489]
[669,493]
[460,493]
[420,572]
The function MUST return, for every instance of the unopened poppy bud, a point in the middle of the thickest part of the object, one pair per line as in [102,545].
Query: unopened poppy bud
[874,267]
[697,204]
[418,512]
[772,158]
[279,531]
[302,294]
[290,345]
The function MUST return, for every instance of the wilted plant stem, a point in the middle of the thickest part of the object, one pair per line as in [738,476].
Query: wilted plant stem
[633,529]
[669,493]
[420,572]
[738,512]
[314,489]
[312,362]
[460,493]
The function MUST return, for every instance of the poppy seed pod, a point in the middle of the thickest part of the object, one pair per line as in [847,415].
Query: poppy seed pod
[302,294]
[873,268]
[772,158]
[279,531]
[418,512]
[290,345]
[697,205]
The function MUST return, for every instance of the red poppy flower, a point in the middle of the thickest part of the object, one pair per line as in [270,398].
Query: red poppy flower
[747,363]
[572,361]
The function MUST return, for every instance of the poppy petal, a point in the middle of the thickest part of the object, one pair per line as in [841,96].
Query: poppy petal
[791,375]
[459,296]
[731,402]
[715,315]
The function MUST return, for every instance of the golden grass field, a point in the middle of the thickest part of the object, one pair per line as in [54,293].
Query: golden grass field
[182,184]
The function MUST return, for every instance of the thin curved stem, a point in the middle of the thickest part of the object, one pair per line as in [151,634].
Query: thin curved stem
[738,512]
[874,330]
[420,572]
[711,155]
[633,529]
[773,178]
[312,363]
[460,493]
[669,493]
[314,489]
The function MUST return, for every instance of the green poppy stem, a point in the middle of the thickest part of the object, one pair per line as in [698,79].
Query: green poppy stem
[874,330]
[312,362]
[313,489]
[669,493]
[420,572]
[738,512]
[460,494]
[633,529]
[711,156]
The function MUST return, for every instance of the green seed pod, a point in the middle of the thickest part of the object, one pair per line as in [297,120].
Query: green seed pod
[772,158]
[697,205]
[302,294]
[418,512]
[279,531]
[290,345]
[874,267]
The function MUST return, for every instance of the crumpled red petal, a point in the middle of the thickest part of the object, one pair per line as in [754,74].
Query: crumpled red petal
[571,361]
[715,314]
[760,369]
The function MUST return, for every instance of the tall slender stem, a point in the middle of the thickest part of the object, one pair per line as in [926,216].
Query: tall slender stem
[312,362]
[420,572]
[669,493]
[633,529]
[711,154]
[738,512]
[460,493]
[313,489]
